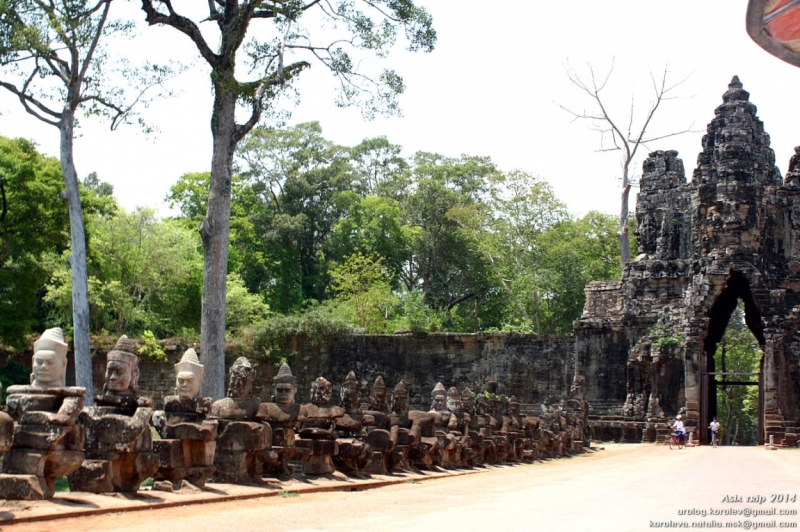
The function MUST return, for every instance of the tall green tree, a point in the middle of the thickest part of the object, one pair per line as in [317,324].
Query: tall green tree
[34,223]
[362,287]
[273,38]
[576,251]
[52,60]
[446,267]
[298,185]
[145,274]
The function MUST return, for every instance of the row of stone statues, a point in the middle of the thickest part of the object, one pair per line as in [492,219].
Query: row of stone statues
[110,447]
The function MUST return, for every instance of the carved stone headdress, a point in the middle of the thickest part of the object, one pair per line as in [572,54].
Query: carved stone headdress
[285,375]
[438,390]
[467,397]
[350,379]
[52,340]
[379,385]
[190,362]
[453,393]
[400,389]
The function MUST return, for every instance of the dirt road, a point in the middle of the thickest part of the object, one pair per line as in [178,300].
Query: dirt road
[630,488]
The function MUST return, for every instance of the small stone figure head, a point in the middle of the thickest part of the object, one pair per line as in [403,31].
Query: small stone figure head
[351,395]
[577,390]
[482,404]
[188,375]
[242,375]
[468,400]
[50,360]
[513,406]
[502,405]
[439,398]
[400,398]
[122,368]
[284,386]
[454,403]
[321,392]
[377,396]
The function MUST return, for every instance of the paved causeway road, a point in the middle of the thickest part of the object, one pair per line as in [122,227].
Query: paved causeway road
[623,488]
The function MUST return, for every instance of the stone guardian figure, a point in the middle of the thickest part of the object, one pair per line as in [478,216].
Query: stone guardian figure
[187,450]
[244,442]
[47,442]
[119,444]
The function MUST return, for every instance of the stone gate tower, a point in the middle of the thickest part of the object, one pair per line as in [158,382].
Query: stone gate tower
[646,343]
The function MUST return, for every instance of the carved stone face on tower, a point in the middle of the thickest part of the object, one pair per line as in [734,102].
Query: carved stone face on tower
[49,360]
[321,392]
[242,375]
[188,375]
[284,386]
[122,368]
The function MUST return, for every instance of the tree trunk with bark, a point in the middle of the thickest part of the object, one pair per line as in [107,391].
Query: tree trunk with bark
[77,260]
[624,237]
[215,232]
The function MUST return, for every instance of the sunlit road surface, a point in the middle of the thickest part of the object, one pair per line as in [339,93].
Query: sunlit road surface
[626,487]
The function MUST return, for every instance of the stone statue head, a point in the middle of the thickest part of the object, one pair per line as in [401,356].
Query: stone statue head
[513,406]
[400,398]
[321,392]
[377,396]
[351,395]
[439,398]
[482,404]
[50,360]
[284,386]
[188,375]
[468,400]
[122,368]
[242,376]
[502,404]
[454,403]
[577,390]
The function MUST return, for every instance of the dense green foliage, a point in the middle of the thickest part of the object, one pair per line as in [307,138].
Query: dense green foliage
[737,405]
[323,238]
[33,225]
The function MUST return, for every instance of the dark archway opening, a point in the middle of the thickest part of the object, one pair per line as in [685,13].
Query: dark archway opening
[716,377]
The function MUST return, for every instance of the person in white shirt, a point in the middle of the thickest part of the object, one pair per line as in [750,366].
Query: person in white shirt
[679,428]
[714,429]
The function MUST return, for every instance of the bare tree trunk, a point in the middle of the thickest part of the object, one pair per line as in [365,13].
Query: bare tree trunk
[215,231]
[729,415]
[624,238]
[736,433]
[77,260]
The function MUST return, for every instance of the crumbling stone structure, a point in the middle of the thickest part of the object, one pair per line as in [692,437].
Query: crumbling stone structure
[646,343]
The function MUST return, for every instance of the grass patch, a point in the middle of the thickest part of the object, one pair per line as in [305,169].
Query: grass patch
[147,483]
[62,484]
[288,494]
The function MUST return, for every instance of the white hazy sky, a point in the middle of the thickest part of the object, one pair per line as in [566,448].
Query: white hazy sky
[492,87]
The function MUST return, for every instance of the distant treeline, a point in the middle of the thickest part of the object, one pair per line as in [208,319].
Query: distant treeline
[324,237]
